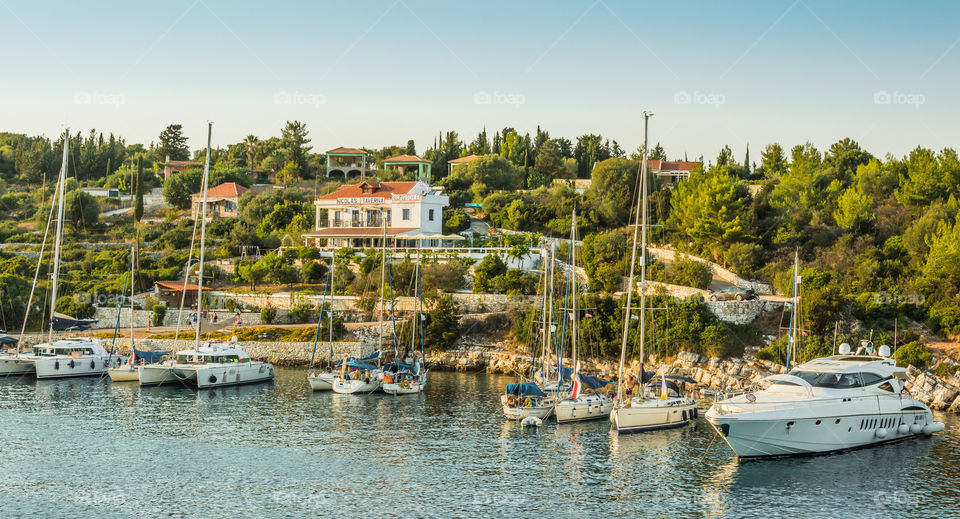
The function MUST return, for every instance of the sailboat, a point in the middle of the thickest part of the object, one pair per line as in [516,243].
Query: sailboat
[526,398]
[582,402]
[128,372]
[213,364]
[362,377]
[408,379]
[645,411]
[323,380]
[63,357]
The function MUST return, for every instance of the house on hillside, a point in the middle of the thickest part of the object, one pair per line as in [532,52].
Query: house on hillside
[178,166]
[409,214]
[223,201]
[671,171]
[347,163]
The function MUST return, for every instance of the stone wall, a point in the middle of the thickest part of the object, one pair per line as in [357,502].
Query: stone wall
[670,255]
[107,318]
[742,312]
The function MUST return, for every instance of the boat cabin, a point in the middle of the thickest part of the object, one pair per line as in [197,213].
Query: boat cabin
[211,355]
[68,347]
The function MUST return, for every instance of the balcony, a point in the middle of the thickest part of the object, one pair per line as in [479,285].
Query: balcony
[370,220]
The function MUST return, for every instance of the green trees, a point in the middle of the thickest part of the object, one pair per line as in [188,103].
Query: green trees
[173,144]
[854,209]
[482,176]
[589,150]
[610,197]
[138,190]
[251,144]
[549,161]
[772,161]
[294,143]
[709,210]
[483,274]
[929,177]
[82,210]
[442,325]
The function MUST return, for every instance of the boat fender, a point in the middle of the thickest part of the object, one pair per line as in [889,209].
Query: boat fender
[903,429]
[526,402]
[93,364]
[932,428]
[213,379]
[881,433]
[916,428]
[56,365]
[72,364]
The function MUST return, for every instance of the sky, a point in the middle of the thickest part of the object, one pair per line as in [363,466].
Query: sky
[379,72]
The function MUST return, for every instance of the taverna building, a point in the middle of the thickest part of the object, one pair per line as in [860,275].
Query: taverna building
[407,214]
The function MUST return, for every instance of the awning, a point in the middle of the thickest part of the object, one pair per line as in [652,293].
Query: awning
[524,389]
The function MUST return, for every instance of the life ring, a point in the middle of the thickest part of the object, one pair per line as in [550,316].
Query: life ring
[405,384]
[527,402]
[213,379]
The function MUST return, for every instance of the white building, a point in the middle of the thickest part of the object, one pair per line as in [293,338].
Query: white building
[354,216]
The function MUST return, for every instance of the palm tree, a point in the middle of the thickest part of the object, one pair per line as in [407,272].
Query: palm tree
[251,144]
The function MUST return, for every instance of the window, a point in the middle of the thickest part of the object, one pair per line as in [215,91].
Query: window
[870,379]
[886,386]
[406,214]
[830,380]
[430,215]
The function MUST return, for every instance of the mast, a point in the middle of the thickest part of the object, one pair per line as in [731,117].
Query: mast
[203,233]
[573,282]
[792,339]
[641,208]
[59,237]
[333,259]
[132,281]
[543,320]
[383,274]
[553,249]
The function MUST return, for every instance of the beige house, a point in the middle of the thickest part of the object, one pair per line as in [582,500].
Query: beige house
[223,201]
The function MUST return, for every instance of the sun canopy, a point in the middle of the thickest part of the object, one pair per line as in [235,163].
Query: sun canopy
[593,382]
[524,389]
[149,357]
[670,386]
[7,340]
[397,367]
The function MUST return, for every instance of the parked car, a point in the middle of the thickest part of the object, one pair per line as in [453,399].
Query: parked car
[733,293]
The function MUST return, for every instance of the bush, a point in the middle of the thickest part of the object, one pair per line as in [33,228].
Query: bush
[302,312]
[691,273]
[914,353]
[159,313]
[946,370]
[268,314]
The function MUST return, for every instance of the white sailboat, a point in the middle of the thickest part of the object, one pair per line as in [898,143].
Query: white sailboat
[410,380]
[582,402]
[212,364]
[323,380]
[126,372]
[645,412]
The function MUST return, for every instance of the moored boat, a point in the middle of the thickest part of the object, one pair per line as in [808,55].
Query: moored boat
[211,365]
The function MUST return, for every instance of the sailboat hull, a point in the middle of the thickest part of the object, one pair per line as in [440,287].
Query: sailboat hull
[124,374]
[654,415]
[350,387]
[321,381]
[13,365]
[62,366]
[591,407]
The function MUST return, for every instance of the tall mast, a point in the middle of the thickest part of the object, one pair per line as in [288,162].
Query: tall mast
[383,274]
[573,281]
[56,250]
[203,232]
[553,246]
[641,208]
[792,340]
[543,319]
[333,271]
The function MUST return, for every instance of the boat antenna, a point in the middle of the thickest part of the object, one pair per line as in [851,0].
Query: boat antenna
[203,233]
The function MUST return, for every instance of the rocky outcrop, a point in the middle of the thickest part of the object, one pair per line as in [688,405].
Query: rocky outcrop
[940,394]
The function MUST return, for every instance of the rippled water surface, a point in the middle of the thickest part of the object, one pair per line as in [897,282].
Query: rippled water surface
[89,448]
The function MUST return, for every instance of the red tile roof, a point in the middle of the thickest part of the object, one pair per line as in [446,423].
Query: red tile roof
[349,232]
[671,165]
[463,160]
[178,286]
[347,151]
[225,189]
[377,190]
[412,159]
[184,163]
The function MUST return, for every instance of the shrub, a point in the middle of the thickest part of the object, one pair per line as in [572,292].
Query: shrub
[914,353]
[302,312]
[268,314]
[159,313]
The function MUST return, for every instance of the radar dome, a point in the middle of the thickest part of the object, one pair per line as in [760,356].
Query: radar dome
[884,350]
[844,349]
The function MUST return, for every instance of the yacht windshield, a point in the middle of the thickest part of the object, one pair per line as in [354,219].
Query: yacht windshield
[829,380]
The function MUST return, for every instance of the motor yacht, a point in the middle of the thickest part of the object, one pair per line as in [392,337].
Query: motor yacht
[211,365]
[829,404]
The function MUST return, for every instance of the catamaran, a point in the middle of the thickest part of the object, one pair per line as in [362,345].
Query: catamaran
[407,379]
[212,364]
[583,402]
[64,357]
[645,411]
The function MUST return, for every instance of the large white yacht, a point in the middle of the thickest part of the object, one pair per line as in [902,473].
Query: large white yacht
[211,365]
[71,357]
[828,404]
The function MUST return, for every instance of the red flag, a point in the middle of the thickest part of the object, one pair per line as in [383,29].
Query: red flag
[575,390]
[588,315]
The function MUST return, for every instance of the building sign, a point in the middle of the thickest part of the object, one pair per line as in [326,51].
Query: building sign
[358,200]
[408,198]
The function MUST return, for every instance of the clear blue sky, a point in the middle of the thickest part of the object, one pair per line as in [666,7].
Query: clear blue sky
[372,73]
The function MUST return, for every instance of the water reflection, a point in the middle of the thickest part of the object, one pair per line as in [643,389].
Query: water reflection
[277,449]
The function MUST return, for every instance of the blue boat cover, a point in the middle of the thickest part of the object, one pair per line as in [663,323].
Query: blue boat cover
[396,367]
[6,339]
[645,376]
[373,356]
[360,365]
[593,382]
[679,379]
[566,372]
[670,385]
[149,357]
[525,389]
